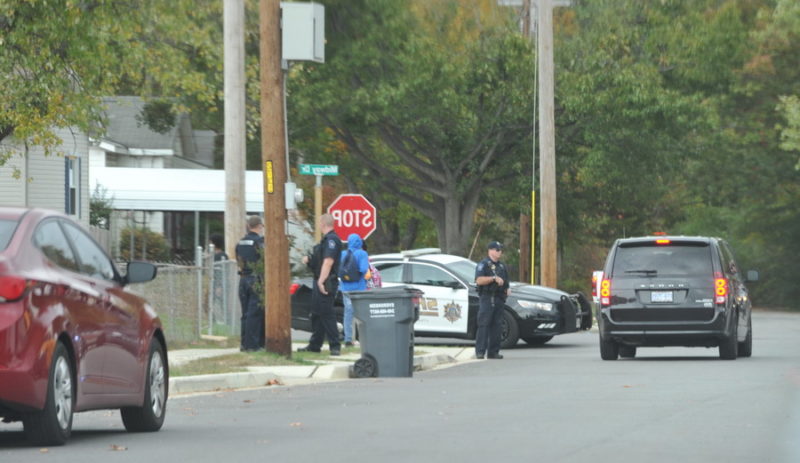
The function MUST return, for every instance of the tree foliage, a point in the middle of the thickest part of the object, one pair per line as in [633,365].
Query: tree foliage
[58,58]
[437,123]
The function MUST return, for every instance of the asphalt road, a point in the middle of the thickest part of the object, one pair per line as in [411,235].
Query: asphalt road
[556,403]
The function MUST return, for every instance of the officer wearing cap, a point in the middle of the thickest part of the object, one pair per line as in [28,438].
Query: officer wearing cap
[491,276]
[248,254]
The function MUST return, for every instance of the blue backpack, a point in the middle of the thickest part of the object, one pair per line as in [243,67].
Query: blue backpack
[348,268]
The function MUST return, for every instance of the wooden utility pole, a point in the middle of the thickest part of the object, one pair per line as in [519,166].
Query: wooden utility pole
[233,42]
[547,149]
[273,149]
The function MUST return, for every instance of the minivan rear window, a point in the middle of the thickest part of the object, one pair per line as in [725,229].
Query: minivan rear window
[7,228]
[654,260]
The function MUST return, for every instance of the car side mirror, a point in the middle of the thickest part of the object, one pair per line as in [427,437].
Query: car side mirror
[453,285]
[752,275]
[140,272]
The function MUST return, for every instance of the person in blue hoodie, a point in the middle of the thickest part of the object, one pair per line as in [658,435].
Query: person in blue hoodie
[354,247]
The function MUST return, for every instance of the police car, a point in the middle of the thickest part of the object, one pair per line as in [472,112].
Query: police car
[450,302]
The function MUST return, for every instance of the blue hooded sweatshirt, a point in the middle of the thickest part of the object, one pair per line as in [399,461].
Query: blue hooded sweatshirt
[354,244]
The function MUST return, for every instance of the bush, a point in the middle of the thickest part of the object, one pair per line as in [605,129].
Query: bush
[148,245]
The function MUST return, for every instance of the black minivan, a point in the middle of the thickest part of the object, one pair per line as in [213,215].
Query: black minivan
[661,291]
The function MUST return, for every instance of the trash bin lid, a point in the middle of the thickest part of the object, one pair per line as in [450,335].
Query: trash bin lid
[392,292]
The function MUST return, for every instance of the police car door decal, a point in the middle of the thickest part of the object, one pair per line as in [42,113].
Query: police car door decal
[444,307]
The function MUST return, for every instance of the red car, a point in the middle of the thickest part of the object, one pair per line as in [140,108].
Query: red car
[72,337]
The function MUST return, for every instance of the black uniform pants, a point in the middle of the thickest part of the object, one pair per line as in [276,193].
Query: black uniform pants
[323,320]
[252,314]
[490,314]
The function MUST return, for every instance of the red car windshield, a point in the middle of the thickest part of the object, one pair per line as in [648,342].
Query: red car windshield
[7,228]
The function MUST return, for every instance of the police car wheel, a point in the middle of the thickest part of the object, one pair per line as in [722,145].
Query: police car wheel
[509,331]
[366,367]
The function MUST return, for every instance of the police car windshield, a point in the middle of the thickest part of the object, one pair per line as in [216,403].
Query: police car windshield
[464,269]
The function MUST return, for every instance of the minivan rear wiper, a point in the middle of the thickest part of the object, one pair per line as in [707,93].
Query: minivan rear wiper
[645,271]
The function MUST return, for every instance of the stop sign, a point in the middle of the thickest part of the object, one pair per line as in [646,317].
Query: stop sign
[353,214]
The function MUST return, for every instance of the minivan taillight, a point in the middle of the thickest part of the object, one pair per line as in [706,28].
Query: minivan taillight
[12,288]
[605,292]
[720,288]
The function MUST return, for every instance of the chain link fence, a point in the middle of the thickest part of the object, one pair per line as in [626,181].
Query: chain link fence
[195,300]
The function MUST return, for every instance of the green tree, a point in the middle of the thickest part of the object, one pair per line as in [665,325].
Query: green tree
[59,57]
[433,124]
[100,208]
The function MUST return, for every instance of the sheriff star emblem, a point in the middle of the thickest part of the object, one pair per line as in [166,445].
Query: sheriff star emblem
[452,312]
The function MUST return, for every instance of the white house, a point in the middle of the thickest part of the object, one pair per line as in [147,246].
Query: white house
[127,142]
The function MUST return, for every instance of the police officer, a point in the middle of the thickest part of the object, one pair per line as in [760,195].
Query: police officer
[324,262]
[491,276]
[248,254]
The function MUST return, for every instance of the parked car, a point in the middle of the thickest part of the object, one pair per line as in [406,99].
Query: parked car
[674,291]
[72,337]
[450,302]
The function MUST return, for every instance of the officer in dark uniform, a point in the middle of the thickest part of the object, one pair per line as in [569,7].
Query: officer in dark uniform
[248,254]
[491,276]
[324,262]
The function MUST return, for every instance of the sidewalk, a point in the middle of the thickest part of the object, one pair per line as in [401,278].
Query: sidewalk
[333,369]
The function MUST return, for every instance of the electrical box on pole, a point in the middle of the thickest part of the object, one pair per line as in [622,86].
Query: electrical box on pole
[303,31]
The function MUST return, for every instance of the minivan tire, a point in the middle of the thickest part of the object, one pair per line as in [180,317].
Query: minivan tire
[729,346]
[609,349]
[746,346]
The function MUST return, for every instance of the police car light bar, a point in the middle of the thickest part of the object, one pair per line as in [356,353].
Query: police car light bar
[420,252]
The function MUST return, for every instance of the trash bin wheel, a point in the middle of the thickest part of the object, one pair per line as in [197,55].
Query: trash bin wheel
[366,367]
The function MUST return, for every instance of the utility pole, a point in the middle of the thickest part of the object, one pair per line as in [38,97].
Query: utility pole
[547,150]
[276,246]
[233,42]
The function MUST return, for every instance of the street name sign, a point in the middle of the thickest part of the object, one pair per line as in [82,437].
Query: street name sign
[319,169]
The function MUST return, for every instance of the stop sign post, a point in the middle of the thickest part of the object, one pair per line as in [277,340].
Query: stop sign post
[353,213]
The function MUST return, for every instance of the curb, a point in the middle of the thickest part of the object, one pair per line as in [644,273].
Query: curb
[208,383]
[271,376]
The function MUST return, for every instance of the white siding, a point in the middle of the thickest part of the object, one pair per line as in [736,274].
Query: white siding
[12,191]
[43,179]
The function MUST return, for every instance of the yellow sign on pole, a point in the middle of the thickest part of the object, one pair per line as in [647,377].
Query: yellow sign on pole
[269,181]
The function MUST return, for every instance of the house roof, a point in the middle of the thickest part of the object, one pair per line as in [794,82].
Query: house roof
[124,129]
[144,189]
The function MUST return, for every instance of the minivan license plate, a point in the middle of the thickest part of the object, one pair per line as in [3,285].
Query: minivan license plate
[661,296]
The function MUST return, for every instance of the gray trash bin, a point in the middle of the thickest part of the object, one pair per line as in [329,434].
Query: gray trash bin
[385,320]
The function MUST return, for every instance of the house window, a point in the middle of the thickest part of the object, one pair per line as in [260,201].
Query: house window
[72,183]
